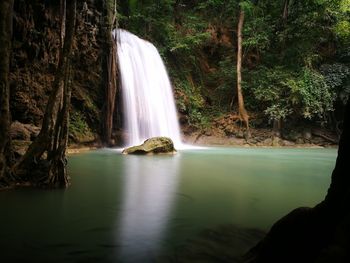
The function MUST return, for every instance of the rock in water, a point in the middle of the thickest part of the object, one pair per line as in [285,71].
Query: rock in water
[152,145]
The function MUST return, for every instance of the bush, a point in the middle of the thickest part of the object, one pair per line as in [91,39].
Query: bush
[79,130]
[283,92]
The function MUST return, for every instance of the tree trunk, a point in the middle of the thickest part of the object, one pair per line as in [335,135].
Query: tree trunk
[53,135]
[285,10]
[277,126]
[109,72]
[241,109]
[6,8]
[177,12]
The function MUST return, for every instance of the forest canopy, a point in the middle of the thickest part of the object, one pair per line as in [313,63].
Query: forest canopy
[295,57]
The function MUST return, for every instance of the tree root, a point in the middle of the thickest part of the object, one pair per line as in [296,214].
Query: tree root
[324,136]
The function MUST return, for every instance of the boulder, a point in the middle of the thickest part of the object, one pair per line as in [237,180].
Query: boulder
[152,145]
[288,143]
[267,142]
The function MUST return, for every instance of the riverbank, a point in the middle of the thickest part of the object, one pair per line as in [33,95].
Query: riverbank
[220,132]
[263,138]
[76,149]
[267,143]
[258,138]
[197,139]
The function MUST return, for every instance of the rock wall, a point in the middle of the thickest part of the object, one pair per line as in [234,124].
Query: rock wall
[36,41]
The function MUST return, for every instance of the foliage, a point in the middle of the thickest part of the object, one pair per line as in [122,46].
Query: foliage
[78,127]
[190,101]
[315,96]
[226,76]
[257,33]
[337,77]
[272,91]
[278,111]
[295,63]
[155,21]
[340,10]
[305,94]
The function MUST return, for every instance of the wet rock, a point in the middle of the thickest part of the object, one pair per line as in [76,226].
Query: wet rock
[307,134]
[239,134]
[230,129]
[300,141]
[276,141]
[253,141]
[208,132]
[292,135]
[288,143]
[152,145]
[267,142]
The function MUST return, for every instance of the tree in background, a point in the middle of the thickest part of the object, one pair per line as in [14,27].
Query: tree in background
[6,8]
[109,68]
[242,112]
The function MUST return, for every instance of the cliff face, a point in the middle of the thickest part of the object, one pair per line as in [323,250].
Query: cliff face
[36,39]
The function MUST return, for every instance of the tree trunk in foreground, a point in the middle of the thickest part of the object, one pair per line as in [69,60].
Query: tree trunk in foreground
[319,234]
[241,109]
[53,136]
[109,72]
[6,8]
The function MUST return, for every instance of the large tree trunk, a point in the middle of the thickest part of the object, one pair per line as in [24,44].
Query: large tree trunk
[6,8]
[241,109]
[53,135]
[109,71]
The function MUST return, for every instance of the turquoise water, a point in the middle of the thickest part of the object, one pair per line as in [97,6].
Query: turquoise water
[133,208]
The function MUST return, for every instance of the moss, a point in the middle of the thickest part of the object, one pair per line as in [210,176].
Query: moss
[79,131]
[152,145]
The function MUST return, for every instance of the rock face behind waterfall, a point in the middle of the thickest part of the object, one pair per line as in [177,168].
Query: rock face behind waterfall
[152,145]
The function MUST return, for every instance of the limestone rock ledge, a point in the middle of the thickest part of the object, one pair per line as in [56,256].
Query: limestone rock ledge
[154,145]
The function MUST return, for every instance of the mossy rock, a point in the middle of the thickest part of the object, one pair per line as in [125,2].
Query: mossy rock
[153,145]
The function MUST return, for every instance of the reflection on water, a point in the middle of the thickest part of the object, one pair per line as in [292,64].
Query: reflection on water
[147,199]
[133,208]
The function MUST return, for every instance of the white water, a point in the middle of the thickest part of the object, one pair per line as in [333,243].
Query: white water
[149,106]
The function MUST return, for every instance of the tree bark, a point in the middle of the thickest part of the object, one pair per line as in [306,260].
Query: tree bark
[53,135]
[339,191]
[241,109]
[109,72]
[285,10]
[277,127]
[6,8]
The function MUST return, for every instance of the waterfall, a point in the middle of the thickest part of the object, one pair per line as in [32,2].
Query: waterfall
[148,101]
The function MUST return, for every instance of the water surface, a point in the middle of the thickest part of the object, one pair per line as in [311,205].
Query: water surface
[134,208]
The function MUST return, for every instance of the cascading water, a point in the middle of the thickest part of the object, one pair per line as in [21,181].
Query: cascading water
[149,106]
